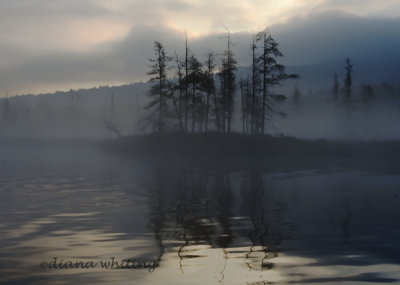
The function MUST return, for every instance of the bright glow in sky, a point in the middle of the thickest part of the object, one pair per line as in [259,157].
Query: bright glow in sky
[74,24]
[32,29]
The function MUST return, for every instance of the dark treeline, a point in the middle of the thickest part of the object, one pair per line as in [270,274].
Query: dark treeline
[87,113]
[213,94]
[201,95]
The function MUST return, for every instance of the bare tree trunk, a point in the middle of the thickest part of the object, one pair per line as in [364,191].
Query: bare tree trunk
[243,107]
[264,98]
[217,118]
[253,94]
[207,109]
[229,85]
[193,106]
[178,107]
[160,107]
[186,84]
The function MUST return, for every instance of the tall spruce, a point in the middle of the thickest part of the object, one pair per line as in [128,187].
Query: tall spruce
[348,82]
[255,81]
[178,102]
[160,91]
[228,86]
[186,64]
[335,86]
[209,85]
[195,80]
[271,74]
[246,100]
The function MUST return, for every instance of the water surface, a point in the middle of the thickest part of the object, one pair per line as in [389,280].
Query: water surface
[296,222]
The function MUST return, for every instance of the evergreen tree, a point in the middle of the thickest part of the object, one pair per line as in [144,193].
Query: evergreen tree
[246,99]
[367,93]
[296,96]
[195,80]
[209,84]
[348,82]
[179,102]
[186,83]
[255,83]
[228,86]
[271,74]
[335,86]
[160,91]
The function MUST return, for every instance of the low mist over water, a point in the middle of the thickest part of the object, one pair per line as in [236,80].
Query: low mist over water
[110,112]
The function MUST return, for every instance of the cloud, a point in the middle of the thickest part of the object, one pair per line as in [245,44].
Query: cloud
[78,25]
[331,36]
[304,40]
[53,25]
[387,8]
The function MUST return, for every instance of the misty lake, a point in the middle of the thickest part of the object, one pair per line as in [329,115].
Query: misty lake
[307,222]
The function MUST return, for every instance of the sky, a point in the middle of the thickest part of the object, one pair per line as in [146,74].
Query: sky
[49,45]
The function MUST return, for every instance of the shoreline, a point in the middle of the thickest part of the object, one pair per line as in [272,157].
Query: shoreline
[219,145]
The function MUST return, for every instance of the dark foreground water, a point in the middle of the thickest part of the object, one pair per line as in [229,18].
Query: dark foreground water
[302,222]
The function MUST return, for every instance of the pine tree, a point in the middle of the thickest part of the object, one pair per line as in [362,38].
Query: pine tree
[195,80]
[186,84]
[246,99]
[178,102]
[255,82]
[335,86]
[209,84]
[348,82]
[296,96]
[271,74]
[367,93]
[160,91]
[227,76]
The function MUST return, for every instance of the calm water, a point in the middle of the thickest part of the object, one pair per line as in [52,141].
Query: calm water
[309,223]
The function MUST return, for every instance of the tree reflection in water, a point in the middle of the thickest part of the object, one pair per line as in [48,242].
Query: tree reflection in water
[215,208]
[253,193]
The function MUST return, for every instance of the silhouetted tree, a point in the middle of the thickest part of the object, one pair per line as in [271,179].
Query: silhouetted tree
[179,102]
[227,77]
[367,93]
[112,127]
[255,83]
[196,79]
[335,86]
[296,96]
[348,79]
[209,84]
[109,121]
[186,84]
[160,91]
[271,74]
[198,95]
[246,99]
